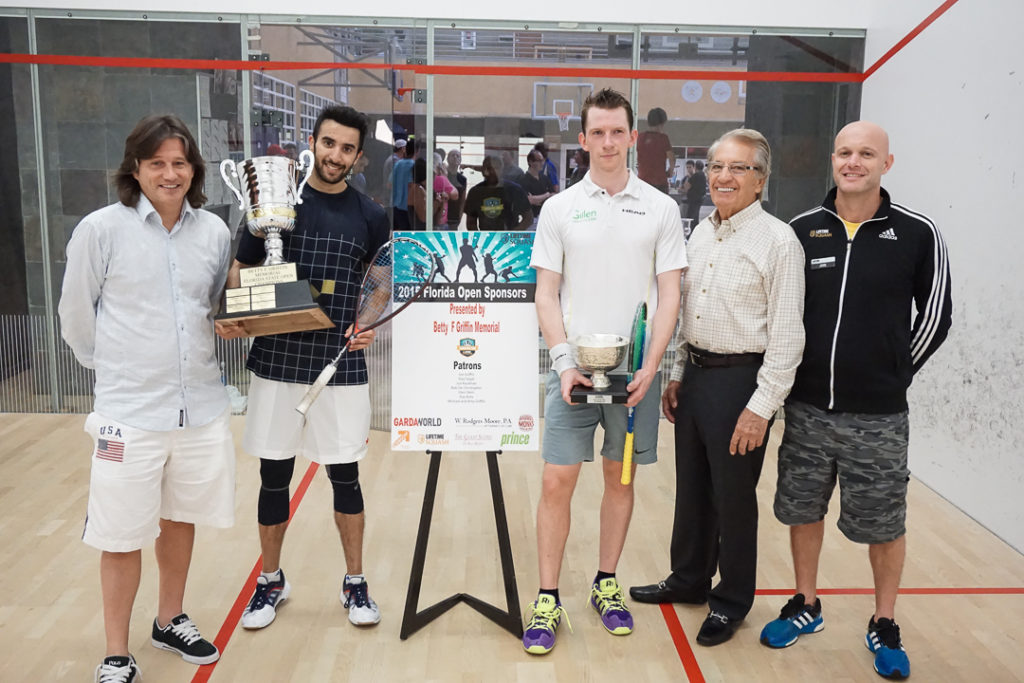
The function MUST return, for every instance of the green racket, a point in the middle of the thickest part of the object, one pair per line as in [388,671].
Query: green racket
[635,361]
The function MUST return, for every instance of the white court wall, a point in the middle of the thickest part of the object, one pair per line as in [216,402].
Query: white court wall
[953,102]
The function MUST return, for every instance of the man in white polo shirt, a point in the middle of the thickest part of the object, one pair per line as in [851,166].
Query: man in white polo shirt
[604,245]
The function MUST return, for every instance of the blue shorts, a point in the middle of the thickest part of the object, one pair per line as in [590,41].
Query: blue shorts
[569,429]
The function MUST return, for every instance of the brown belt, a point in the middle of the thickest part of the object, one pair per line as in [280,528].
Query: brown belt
[707,359]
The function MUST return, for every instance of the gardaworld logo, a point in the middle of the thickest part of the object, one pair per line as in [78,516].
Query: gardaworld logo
[467,346]
[417,422]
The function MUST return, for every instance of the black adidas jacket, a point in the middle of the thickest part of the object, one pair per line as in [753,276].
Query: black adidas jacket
[864,341]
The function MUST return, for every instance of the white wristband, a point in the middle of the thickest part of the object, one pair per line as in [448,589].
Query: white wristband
[561,358]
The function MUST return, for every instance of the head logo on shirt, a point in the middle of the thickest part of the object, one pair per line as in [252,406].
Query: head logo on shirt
[582,216]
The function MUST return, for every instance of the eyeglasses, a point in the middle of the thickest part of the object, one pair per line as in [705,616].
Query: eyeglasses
[737,170]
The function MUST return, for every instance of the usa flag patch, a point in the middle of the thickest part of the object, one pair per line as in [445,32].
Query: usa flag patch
[107,449]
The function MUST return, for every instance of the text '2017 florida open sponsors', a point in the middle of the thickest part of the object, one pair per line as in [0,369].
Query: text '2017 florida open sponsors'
[464,356]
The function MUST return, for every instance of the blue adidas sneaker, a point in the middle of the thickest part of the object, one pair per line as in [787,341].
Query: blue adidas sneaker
[795,620]
[883,638]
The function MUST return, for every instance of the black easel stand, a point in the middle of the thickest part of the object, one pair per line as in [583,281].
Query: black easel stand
[509,620]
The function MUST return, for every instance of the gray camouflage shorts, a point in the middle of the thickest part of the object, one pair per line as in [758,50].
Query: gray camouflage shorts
[868,456]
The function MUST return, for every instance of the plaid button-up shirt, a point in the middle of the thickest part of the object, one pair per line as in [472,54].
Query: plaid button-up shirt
[744,293]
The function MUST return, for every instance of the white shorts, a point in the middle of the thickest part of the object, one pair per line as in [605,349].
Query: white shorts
[336,428]
[140,477]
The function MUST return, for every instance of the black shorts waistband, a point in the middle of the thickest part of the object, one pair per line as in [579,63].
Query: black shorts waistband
[707,359]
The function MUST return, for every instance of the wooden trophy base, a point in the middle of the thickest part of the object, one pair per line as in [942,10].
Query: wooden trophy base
[274,309]
[616,393]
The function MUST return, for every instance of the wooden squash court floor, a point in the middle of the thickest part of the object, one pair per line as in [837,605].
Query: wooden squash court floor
[961,612]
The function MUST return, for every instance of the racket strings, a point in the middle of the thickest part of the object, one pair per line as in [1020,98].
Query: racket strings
[375,295]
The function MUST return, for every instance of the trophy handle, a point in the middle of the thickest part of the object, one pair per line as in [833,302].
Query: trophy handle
[306,163]
[228,163]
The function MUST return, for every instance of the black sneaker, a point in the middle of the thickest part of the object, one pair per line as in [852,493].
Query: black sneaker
[118,669]
[182,636]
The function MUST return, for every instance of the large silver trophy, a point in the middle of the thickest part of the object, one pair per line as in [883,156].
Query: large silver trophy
[271,298]
[600,354]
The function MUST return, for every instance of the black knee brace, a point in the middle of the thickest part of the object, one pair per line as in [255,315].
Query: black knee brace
[348,496]
[275,476]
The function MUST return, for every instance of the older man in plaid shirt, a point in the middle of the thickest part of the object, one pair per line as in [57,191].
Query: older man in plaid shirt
[741,340]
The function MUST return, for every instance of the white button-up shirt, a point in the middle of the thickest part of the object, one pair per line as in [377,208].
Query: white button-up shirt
[744,293]
[137,305]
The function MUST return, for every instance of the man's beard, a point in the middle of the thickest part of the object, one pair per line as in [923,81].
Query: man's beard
[318,168]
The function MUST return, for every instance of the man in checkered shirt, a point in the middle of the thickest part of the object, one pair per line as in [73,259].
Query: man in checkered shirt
[337,232]
[741,337]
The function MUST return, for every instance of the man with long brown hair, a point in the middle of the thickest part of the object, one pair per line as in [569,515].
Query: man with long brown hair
[143,280]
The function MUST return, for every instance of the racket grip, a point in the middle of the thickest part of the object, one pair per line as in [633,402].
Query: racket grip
[627,460]
[314,390]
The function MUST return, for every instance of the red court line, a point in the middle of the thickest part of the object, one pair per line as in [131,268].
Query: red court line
[904,591]
[909,37]
[463,70]
[235,613]
[434,69]
[690,666]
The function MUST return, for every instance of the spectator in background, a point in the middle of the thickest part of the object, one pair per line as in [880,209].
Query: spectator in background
[357,179]
[389,165]
[458,180]
[582,159]
[535,183]
[496,204]
[510,166]
[290,150]
[401,176]
[695,188]
[550,170]
[655,160]
[418,196]
[275,150]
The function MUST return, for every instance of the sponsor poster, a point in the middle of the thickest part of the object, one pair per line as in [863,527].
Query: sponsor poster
[464,355]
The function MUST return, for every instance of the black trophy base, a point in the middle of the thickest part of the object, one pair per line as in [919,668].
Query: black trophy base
[274,309]
[616,393]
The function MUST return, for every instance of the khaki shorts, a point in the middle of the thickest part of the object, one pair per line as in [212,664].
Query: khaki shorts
[140,477]
[336,428]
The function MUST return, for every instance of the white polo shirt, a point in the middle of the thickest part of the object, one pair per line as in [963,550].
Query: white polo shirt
[609,251]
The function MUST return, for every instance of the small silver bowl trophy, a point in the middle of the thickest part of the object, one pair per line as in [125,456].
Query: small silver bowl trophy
[271,299]
[600,354]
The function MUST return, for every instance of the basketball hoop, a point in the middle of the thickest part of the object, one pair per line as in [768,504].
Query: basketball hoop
[563,121]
